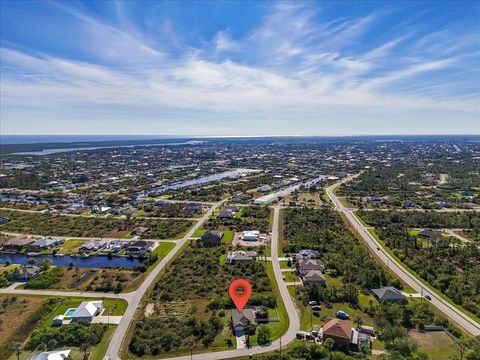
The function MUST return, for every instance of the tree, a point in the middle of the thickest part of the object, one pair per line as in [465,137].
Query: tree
[45,265]
[263,335]
[328,343]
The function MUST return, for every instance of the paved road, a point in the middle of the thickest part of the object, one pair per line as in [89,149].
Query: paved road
[294,321]
[441,304]
[11,290]
[121,329]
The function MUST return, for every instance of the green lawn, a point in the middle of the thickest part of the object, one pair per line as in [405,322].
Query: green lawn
[98,352]
[290,276]
[227,237]
[71,246]
[163,249]
[277,329]
[437,345]
[198,233]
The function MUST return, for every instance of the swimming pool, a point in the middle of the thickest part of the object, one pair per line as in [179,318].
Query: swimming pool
[69,312]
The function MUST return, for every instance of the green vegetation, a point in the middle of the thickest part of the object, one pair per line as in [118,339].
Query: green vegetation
[51,225]
[350,274]
[79,334]
[191,303]
[167,209]
[251,218]
[454,270]
[443,182]
[45,279]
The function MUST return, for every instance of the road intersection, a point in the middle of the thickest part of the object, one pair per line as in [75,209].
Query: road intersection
[134,298]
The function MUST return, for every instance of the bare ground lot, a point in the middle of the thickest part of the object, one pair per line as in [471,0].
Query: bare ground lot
[437,345]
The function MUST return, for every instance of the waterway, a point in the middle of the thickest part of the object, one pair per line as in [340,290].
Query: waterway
[204,180]
[65,261]
[288,190]
[56,151]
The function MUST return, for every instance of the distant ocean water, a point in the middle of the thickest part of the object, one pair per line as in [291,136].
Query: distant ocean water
[36,139]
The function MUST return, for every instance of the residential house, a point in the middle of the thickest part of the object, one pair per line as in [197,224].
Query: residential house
[373,200]
[52,355]
[94,245]
[25,273]
[87,310]
[388,294]
[410,204]
[251,235]
[306,254]
[140,247]
[139,230]
[338,330]
[232,208]
[359,339]
[225,214]
[235,257]
[211,238]
[430,234]
[436,238]
[314,277]
[369,330]
[305,266]
[99,209]
[16,242]
[242,319]
[125,210]
[193,207]
[44,244]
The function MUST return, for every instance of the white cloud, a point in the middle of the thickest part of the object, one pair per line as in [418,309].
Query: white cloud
[282,74]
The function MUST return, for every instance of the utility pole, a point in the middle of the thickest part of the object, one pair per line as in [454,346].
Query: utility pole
[280,348]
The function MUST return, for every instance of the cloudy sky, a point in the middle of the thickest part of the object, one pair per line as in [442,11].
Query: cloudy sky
[240,68]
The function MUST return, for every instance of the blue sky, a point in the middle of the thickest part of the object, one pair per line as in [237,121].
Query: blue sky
[240,68]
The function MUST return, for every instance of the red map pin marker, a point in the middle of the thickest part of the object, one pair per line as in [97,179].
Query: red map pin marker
[240,298]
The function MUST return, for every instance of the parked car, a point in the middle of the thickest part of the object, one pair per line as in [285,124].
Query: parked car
[342,315]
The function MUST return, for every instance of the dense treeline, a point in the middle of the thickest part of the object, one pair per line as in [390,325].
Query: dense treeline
[198,278]
[46,279]
[323,230]
[79,334]
[23,179]
[440,182]
[58,225]
[454,270]
[427,219]
[166,210]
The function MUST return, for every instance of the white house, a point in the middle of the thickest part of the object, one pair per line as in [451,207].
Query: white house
[87,311]
[53,355]
[250,235]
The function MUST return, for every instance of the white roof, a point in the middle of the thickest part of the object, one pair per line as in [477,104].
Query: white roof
[251,233]
[53,355]
[87,308]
